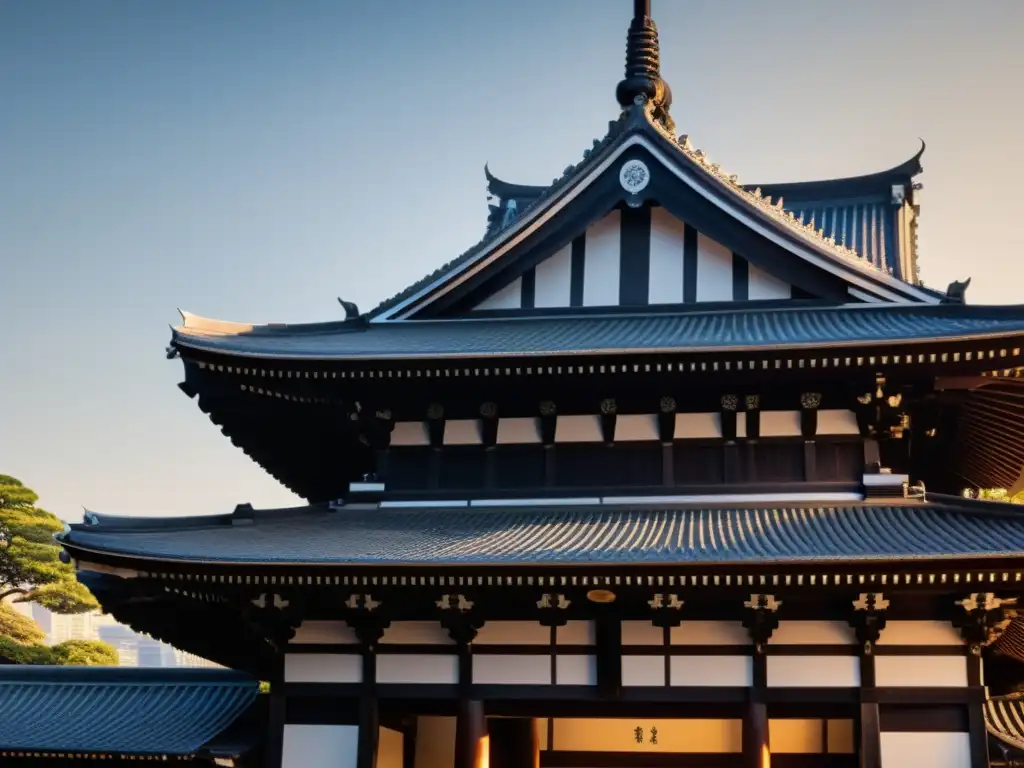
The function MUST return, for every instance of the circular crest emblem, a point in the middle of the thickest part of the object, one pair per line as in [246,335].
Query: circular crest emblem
[634,176]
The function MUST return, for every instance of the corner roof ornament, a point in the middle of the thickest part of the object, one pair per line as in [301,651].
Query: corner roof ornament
[643,68]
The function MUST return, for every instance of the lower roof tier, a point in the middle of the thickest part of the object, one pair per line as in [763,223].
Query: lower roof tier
[654,534]
[693,330]
[116,711]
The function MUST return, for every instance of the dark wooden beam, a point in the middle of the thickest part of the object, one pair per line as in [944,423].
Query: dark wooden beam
[513,742]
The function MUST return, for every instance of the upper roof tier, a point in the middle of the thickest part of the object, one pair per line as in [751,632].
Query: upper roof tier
[726,330]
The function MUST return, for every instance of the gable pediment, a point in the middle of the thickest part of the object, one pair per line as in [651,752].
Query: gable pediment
[684,236]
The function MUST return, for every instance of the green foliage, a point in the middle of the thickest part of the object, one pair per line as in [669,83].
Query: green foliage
[18,628]
[87,653]
[1000,494]
[31,571]
[30,566]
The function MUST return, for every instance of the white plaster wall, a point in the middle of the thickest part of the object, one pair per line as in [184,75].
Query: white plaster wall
[636,428]
[501,669]
[813,633]
[409,433]
[698,425]
[320,746]
[435,742]
[513,633]
[509,297]
[576,633]
[576,670]
[642,633]
[553,280]
[643,670]
[323,668]
[462,432]
[665,284]
[324,633]
[714,270]
[390,748]
[780,424]
[813,672]
[921,671]
[416,633]
[711,671]
[837,422]
[709,633]
[578,429]
[920,633]
[518,431]
[764,286]
[601,263]
[925,750]
[417,668]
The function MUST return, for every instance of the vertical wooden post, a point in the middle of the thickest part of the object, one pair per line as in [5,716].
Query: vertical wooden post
[369,632]
[868,622]
[513,742]
[273,744]
[471,750]
[756,748]
[761,619]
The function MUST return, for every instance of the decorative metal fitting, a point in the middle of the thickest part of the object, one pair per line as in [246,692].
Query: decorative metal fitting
[435,411]
[384,414]
[489,410]
[661,601]
[730,402]
[547,408]
[455,602]
[667,405]
[550,601]
[355,602]
[753,402]
[608,406]
[810,400]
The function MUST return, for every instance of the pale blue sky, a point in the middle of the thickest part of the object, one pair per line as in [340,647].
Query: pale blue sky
[254,160]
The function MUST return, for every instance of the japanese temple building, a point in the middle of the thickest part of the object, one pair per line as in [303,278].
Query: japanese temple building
[666,470]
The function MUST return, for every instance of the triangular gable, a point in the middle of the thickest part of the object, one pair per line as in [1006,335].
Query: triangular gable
[667,179]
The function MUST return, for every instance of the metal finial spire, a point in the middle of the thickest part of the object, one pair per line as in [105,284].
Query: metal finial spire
[643,66]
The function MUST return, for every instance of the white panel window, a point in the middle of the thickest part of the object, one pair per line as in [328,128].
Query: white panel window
[921,671]
[409,433]
[813,633]
[509,297]
[698,425]
[780,424]
[665,284]
[511,670]
[518,431]
[417,633]
[576,670]
[714,270]
[513,633]
[319,746]
[324,633]
[323,668]
[578,429]
[763,286]
[925,750]
[712,671]
[553,280]
[709,633]
[417,668]
[636,428]
[643,670]
[462,432]
[642,633]
[813,671]
[920,633]
[601,263]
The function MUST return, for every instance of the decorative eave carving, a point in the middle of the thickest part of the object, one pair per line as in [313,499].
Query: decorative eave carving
[761,619]
[984,618]
[869,619]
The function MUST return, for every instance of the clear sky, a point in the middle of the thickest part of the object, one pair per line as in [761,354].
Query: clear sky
[253,160]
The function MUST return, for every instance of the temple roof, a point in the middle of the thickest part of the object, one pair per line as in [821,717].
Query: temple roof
[1004,719]
[698,330]
[654,533]
[122,711]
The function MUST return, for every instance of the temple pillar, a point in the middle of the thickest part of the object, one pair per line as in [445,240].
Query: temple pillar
[761,619]
[471,748]
[868,621]
[756,748]
[513,742]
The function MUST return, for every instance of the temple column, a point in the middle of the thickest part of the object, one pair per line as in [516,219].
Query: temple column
[471,747]
[369,630]
[761,619]
[273,744]
[513,742]
[868,622]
